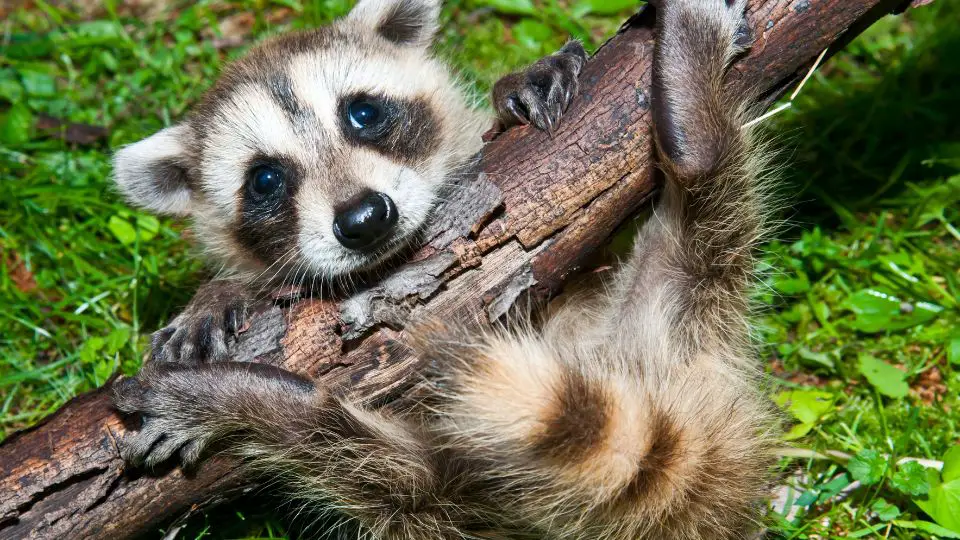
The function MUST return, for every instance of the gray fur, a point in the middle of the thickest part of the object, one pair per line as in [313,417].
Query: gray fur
[636,414]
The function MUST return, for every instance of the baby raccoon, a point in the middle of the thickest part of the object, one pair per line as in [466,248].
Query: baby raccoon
[320,154]
[638,415]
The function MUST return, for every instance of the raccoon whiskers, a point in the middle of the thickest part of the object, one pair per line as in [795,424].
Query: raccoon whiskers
[301,267]
[280,263]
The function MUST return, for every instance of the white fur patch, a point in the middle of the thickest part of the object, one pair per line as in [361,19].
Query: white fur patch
[139,170]
[251,123]
[371,14]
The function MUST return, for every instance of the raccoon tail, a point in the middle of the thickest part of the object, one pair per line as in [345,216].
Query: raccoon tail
[587,446]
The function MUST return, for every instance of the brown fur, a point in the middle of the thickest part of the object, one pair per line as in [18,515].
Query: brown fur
[638,417]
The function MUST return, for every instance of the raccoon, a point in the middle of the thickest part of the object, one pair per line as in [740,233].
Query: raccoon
[636,415]
[320,154]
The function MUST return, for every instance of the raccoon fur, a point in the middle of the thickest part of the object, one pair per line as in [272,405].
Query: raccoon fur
[637,415]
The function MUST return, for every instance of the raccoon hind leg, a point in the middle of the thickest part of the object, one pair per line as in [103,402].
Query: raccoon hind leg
[688,277]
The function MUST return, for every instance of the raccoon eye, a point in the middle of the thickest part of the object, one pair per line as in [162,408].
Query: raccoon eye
[265,179]
[363,113]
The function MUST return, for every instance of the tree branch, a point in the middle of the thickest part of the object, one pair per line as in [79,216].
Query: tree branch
[538,207]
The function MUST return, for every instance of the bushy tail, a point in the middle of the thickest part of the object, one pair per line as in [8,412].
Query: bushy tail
[588,447]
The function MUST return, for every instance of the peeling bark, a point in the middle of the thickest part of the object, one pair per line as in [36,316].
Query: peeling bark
[539,207]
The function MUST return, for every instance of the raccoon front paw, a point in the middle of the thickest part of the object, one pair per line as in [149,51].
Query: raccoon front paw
[201,333]
[540,94]
[165,428]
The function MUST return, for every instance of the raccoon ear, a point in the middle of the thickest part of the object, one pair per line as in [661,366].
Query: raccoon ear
[153,173]
[405,22]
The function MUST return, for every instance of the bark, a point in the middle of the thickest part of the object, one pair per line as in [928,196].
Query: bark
[538,207]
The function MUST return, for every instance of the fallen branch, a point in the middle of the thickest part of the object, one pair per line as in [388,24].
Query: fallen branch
[539,206]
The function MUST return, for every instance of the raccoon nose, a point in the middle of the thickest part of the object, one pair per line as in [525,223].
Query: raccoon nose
[365,221]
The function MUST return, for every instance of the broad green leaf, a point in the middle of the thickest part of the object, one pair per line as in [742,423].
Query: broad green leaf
[807,406]
[887,379]
[28,45]
[878,311]
[832,488]
[943,501]
[148,226]
[38,83]
[793,285]
[798,431]
[807,498]
[512,7]
[867,466]
[911,478]
[15,129]
[821,310]
[953,350]
[10,88]
[93,33]
[816,359]
[532,33]
[88,353]
[102,370]
[603,7]
[951,465]
[824,492]
[926,526]
[117,340]
[884,510]
[122,230]
[108,60]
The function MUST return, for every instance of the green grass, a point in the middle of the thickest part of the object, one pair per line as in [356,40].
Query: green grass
[863,320]
[861,317]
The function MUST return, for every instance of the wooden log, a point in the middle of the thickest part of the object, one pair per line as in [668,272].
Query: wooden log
[538,207]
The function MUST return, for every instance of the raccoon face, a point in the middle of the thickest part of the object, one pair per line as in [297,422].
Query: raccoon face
[317,154]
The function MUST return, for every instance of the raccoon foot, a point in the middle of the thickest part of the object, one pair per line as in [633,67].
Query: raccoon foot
[201,332]
[540,94]
[184,409]
[162,430]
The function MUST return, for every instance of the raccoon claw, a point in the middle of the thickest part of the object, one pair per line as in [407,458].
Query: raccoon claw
[162,434]
[743,38]
[202,331]
[540,94]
